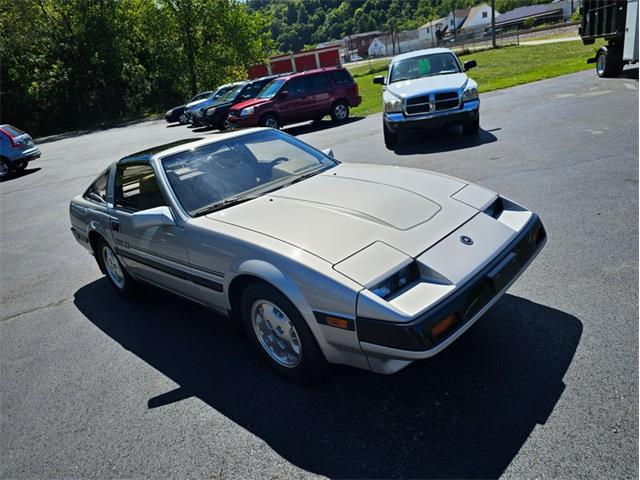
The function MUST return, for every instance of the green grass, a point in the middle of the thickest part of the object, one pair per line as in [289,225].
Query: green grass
[499,68]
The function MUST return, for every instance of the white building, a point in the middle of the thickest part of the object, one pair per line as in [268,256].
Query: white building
[428,30]
[460,17]
[478,17]
[406,41]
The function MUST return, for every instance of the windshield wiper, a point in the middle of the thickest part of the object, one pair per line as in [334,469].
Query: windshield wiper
[303,176]
[229,202]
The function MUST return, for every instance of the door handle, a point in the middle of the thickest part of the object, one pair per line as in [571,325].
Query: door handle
[115,225]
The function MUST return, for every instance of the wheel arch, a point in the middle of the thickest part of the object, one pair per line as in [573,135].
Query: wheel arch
[260,271]
[341,100]
[272,113]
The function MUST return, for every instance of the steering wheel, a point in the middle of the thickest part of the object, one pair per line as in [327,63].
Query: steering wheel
[278,160]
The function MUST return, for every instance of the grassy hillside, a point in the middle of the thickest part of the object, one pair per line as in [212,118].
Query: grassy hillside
[499,68]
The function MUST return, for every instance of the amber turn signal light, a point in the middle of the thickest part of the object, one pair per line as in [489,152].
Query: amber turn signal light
[443,325]
[338,322]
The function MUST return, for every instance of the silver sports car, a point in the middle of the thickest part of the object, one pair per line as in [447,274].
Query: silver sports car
[364,265]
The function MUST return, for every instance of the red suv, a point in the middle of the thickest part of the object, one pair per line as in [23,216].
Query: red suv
[299,97]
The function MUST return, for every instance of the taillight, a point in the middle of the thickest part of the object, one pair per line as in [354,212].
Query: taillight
[10,137]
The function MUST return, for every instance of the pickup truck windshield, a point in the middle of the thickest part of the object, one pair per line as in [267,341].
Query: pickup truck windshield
[224,173]
[424,66]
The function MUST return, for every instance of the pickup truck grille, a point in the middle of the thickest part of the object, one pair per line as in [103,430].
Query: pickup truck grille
[446,100]
[431,102]
[417,105]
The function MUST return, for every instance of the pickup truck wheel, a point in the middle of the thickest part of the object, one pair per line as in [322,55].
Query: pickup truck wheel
[339,111]
[270,121]
[608,63]
[472,127]
[390,138]
[280,334]
[116,274]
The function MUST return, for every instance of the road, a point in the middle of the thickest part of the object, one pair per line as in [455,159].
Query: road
[545,385]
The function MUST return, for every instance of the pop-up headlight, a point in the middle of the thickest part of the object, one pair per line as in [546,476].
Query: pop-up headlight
[396,282]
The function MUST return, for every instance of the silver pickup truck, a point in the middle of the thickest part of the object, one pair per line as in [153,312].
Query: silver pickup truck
[428,89]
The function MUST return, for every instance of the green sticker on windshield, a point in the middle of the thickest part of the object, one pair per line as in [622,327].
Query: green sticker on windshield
[424,66]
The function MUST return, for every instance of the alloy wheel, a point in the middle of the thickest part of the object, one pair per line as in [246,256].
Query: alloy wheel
[276,333]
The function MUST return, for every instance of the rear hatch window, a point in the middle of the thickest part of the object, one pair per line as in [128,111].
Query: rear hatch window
[13,131]
[341,77]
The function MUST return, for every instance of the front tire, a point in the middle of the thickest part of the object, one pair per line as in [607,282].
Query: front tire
[339,111]
[116,274]
[270,121]
[390,138]
[280,333]
[472,127]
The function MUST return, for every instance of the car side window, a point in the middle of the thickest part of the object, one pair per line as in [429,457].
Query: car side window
[137,188]
[318,82]
[341,77]
[97,192]
[296,86]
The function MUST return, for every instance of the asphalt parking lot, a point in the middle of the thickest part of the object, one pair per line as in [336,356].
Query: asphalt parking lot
[545,385]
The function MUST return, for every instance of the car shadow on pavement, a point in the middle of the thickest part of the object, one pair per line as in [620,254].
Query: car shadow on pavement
[23,173]
[310,127]
[464,413]
[445,139]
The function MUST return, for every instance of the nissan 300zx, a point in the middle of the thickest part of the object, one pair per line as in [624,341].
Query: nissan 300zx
[322,262]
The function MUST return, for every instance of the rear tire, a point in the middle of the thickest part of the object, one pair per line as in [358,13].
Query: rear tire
[269,120]
[116,274]
[5,169]
[280,333]
[608,63]
[19,167]
[472,127]
[390,138]
[339,111]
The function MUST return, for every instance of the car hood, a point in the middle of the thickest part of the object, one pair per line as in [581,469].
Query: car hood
[251,103]
[408,88]
[343,210]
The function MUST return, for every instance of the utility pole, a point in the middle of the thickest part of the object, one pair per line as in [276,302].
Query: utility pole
[453,15]
[493,23]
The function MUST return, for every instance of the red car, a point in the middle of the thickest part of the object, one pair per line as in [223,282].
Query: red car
[299,97]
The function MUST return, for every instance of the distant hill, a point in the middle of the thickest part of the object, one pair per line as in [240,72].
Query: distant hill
[295,24]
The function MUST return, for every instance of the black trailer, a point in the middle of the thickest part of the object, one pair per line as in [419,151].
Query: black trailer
[617,22]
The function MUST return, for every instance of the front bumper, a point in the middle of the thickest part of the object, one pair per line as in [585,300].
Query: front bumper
[414,340]
[399,122]
[243,122]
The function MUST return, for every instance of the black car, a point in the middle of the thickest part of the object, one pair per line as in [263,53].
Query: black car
[216,115]
[176,114]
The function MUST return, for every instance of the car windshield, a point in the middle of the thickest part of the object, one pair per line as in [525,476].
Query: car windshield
[231,94]
[200,96]
[220,92]
[221,174]
[271,88]
[424,66]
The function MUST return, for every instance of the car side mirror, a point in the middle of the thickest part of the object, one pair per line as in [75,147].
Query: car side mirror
[152,217]
[469,65]
[378,79]
[284,94]
[328,152]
